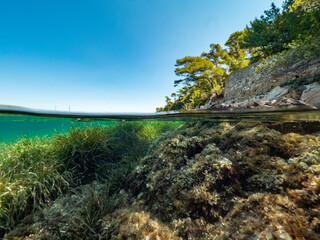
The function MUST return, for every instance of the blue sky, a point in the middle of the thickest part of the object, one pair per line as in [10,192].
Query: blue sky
[107,56]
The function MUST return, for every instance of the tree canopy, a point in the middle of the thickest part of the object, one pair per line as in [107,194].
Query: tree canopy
[294,27]
[276,29]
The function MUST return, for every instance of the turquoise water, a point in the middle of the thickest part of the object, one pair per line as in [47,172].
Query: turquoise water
[174,175]
[16,123]
[14,127]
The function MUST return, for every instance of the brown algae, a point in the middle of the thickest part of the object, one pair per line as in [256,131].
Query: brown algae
[203,180]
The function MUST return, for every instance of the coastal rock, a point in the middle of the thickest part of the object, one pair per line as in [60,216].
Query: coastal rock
[254,87]
[311,94]
[274,104]
[252,81]
[276,93]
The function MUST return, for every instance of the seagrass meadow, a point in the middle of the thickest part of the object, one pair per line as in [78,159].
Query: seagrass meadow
[192,177]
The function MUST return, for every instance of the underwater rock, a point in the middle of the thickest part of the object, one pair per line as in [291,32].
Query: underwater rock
[201,181]
[195,179]
[129,224]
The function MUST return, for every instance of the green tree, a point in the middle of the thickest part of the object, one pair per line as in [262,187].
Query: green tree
[287,5]
[200,76]
[238,57]
[305,5]
[275,30]
[219,58]
[193,70]
[261,35]
[295,27]
[217,55]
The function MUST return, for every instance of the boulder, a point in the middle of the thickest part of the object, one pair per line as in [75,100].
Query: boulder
[311,94]
[276,93]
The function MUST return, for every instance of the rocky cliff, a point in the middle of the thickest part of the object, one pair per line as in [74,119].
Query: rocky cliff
[255,86]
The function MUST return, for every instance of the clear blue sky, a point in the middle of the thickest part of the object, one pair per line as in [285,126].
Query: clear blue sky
[107,55]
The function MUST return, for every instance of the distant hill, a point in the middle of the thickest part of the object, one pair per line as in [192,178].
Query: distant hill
[11,106]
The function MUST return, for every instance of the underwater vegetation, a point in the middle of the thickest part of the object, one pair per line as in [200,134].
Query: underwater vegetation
[33,172]
[30,175]
[242,181]
[201,180]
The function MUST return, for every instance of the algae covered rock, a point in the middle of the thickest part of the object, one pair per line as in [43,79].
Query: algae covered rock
[204,180]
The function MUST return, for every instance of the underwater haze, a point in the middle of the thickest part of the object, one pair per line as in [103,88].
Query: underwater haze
[175,175]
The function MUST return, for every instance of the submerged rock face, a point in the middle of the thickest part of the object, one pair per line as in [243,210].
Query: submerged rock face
[203,181]
[233,182]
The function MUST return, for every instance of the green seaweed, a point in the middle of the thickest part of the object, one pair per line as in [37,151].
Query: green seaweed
[35,171]
[200,181]
[30,176]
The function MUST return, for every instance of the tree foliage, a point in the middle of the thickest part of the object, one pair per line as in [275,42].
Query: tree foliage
[293,28]
[200,76]
[305,5]
[193,69]
[217,55]
[238,56]
[276,29]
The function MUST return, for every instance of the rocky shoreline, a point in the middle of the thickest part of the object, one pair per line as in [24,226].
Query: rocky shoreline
[289,97]
[282,103]
[293,86]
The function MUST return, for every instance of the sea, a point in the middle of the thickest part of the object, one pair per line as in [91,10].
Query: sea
[18,122]
[242,174]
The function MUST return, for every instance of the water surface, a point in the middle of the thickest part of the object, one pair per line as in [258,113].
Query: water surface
[16,122]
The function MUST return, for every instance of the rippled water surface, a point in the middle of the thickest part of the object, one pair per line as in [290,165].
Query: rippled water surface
[20,122]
